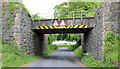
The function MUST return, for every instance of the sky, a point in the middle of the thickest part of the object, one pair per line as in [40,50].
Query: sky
[42,6]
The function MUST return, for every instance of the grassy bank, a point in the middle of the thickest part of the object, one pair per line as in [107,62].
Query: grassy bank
[63,46]
[110,57]
[73,47]
[0,60]
[50,49]
[12,57]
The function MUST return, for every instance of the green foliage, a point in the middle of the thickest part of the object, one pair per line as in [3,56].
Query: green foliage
[12,7]
[75,6]
[78,52]
[111,48]
[0,53]
[4,12]
[64,45]
[69,37]
[51,38]
[73,47]
[92,62]
[50,49]
[109,37]
[12,57]
[61,36]
[11,19]
[117,38]
[10,22]
[35,17]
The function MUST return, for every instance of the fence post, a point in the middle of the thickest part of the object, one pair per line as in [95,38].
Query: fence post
[73,16]
[58,16]
[39,20]
[81,18]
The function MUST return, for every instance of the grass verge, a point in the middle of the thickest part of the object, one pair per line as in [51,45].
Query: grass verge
[110,57]
[0,60]
[50,49]
[63,46]
[73,47]
[89,60]
[12,57]
[78,52]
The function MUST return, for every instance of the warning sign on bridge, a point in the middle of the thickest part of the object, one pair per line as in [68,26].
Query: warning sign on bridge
[55,23]
[62,23]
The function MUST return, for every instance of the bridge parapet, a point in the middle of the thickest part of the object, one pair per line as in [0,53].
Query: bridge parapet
[89,21]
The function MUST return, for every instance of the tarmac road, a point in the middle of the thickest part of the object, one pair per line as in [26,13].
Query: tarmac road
[64,57]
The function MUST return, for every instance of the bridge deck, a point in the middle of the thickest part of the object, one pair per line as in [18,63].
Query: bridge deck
[59,31]
[62,27]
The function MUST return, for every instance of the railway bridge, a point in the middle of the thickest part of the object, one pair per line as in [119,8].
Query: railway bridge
[31,35]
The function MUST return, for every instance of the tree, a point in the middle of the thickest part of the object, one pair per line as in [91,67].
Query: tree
[66,9]
[36,16]
[51,38]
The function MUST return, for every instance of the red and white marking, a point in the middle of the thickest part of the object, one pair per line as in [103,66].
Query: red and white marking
[55,23]
[62,23]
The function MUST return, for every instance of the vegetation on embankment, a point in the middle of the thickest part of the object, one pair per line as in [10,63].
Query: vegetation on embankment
[63,46]
[110,57]
[13,7]
[66,9]
[10,9]
[50,49]
[12,57]
[73,47]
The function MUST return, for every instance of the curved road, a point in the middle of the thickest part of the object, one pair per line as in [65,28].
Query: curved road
[61,58]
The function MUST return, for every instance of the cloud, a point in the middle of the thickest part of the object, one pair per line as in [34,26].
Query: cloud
[42,6]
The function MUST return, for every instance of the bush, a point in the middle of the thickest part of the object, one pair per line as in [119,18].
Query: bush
[63,45]
[73,47]
[12,5]
[92,62]
[78,52]
[111,48]
[51,38]
[12,57]
[50,49]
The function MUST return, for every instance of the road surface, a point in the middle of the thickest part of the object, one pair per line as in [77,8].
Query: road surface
[64,57]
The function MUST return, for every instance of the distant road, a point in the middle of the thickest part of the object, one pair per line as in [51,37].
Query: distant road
[64,57]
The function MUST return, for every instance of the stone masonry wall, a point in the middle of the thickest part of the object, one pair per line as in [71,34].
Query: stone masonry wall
[16,27]
[7,24]
[20,31]
[119,18]
[39,42]
[106,18]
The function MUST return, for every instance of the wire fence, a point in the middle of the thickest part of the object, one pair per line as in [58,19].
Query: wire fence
[70,14]
[73,15]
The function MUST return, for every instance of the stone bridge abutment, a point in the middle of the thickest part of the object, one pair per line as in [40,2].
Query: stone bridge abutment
[107,18]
